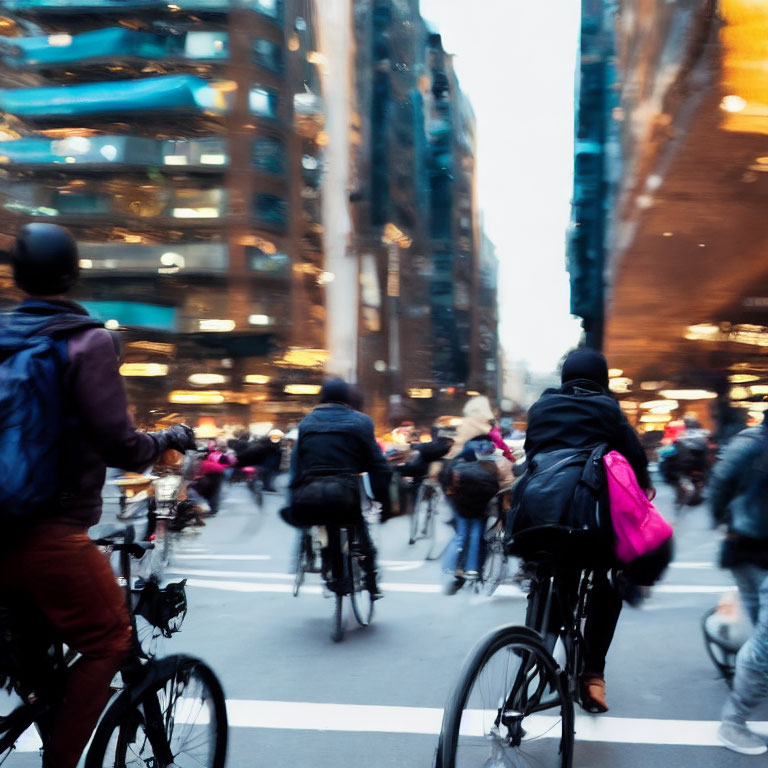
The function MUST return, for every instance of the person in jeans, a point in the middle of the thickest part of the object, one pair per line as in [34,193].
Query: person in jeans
[739,498]
[53,563]
[465,555]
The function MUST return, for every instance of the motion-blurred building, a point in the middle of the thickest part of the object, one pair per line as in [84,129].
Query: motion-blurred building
[182,145]
[423,343]
[669,234]
[264,191]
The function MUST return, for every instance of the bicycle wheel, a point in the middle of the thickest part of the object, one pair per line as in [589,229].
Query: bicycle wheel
[441,532]
[510,707]
[495,567]
[177,715]
[415,513]
[338,619]
[362,604]
[302,564]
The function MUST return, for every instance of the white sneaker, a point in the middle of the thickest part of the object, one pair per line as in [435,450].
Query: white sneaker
[740,739]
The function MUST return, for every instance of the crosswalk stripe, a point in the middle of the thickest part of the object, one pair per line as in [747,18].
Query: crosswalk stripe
[426,721]
[218,581]
[246,713]
[207,556]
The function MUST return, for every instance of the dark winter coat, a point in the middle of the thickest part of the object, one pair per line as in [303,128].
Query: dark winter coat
[738,495]
[97,430]
[336,437]
[581,414]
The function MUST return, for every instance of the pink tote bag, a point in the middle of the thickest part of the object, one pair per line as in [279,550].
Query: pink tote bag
[638,525]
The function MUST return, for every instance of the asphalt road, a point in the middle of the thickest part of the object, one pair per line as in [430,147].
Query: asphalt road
[298,699]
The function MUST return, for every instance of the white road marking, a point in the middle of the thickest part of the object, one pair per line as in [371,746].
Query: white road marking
[245,713]
[505,590]
[426,721]
[225,574]
[311,589]
[186,556]
[693,565]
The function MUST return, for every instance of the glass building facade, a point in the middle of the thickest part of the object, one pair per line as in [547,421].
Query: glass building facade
[181,143]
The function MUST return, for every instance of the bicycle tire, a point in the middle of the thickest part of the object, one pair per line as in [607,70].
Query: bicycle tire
[724,659]
[362,602]
[302,564]
[437,543]
[337,635]
[495,567]
[414,513]
[136,721]
[537,685]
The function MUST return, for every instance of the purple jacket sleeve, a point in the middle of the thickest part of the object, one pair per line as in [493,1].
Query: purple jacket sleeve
[97,389]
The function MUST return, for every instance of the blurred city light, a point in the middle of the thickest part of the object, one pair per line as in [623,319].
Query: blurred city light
[143,369]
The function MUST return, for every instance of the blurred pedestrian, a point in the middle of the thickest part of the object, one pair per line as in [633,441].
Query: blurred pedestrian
[739,499]
[477,421]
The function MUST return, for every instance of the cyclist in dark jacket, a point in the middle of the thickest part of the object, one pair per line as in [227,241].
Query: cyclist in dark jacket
[582,414]
[55,564]
[334,436]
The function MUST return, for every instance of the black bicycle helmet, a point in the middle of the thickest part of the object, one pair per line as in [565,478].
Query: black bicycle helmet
[44,259]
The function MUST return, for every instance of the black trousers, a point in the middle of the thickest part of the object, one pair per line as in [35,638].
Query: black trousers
[603,610]
[334,554]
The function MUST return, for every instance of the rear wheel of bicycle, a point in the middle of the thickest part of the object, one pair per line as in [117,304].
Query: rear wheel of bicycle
[337,635]
[509,708]
[495,566]
[179,719]
[302,564]
[362,602]
[416,513]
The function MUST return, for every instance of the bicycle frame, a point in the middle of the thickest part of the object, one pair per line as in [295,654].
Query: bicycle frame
[549,591]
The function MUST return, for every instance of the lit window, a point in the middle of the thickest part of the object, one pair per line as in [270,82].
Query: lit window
[216,325]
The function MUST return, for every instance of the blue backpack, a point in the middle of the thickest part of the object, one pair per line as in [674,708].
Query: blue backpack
[33,355]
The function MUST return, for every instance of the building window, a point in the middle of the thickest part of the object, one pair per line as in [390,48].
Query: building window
[271,211]
[268,55]
[268,155]
[271,8]
[263,102]
[276,264]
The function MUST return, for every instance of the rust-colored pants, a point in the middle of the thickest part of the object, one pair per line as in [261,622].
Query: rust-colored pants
[71,581]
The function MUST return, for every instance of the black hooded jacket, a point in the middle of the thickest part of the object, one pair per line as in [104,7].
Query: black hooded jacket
[582,414]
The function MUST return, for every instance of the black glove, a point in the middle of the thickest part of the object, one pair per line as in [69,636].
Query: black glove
[179,437]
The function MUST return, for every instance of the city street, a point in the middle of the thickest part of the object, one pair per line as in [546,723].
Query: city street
[296,698]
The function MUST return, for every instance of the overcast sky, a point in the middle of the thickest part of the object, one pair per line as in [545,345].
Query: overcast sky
[516,61]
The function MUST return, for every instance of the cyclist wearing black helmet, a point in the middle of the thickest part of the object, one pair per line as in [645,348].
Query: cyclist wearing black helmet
[77,426]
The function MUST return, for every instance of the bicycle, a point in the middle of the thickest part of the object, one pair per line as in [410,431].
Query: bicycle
[353,581]
[496,566]
[513,703]
[308,554]
[167,712]
[423,514]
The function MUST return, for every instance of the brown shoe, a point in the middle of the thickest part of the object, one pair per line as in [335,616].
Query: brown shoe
[593,695]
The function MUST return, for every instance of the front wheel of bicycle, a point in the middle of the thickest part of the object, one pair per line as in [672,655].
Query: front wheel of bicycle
[495,566]
[510,707]
[176,716]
